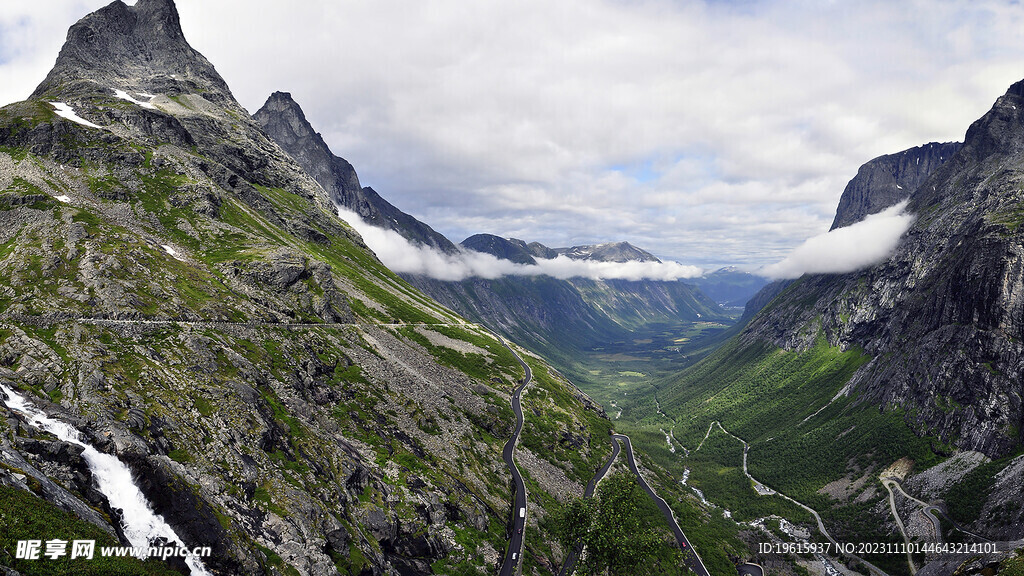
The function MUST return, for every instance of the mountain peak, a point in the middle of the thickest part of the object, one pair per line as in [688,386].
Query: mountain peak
[994,138]
[283,102]
[283,120]
[888,180]
[609,252]
[1001,129]
[511,249]
[138,48]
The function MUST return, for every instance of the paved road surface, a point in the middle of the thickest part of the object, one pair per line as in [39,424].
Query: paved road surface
[570,560]
[592,485]
[514,554]
[750,570]
[899,524]
[693,561]
[927,509]
[931,511]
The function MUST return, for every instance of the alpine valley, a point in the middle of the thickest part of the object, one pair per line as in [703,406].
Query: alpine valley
[183,308]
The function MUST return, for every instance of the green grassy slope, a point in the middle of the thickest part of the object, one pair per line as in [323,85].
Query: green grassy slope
[803,434]
[272,359]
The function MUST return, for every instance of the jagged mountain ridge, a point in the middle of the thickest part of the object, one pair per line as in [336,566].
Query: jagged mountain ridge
[627,303]
[176,286]
[518,251]
[887,180]
[283,119]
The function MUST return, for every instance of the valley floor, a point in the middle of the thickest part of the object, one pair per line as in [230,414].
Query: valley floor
[795,502]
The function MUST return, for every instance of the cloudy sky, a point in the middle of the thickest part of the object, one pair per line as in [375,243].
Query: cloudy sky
[705,132]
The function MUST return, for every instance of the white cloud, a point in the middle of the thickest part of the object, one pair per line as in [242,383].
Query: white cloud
[400,255]
[846,249]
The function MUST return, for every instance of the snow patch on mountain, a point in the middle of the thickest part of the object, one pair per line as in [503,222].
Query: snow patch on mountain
[125,96]
[67,112]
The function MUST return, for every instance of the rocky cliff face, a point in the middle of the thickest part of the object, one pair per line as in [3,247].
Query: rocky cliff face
[284,121]
[910,362]
[177,287]
[879,184]
[942,320]
[888,180]
[943,317]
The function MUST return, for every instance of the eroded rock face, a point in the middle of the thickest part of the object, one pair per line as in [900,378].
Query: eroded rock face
[888,180]
[127,44]
[943,318]
[1003,513]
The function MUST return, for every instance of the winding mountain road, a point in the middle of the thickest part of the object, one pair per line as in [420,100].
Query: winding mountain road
[763,489]
[690,557]
[929,510]
[750,570]
[899,524]
[570,559]
[514,554]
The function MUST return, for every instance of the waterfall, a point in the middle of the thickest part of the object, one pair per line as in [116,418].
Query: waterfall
[114,479]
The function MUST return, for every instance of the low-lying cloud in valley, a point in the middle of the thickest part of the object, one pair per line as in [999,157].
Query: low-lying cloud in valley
[402,256]
[846,249]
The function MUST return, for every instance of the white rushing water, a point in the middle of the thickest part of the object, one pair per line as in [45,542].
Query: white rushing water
[114,479]
[668,440]
[700,495]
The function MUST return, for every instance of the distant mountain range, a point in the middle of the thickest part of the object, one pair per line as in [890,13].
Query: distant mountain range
[568,314]
[729,286]
[520,252]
